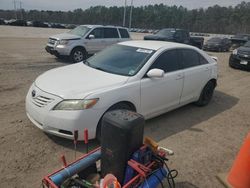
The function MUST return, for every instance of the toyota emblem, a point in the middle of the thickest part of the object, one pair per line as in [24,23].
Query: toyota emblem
[33,93]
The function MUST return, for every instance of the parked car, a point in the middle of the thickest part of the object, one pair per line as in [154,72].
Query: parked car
[176,35]
[39,24]
[2,22]
[85,40]
[149,77]
[18,23]
[240,57]
[217,44]
[239,40]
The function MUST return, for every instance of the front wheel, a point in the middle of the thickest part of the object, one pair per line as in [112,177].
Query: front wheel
[78,55]
[206,94]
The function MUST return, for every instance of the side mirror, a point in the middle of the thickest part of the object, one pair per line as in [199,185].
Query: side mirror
[155,73]
[91,37]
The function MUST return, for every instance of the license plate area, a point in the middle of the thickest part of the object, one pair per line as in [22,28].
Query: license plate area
[243,62]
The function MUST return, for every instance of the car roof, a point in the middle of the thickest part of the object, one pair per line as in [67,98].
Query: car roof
[154,45]
[108,26]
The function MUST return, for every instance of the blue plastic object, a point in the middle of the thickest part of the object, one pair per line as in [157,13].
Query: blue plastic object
[75,168]
[154,180]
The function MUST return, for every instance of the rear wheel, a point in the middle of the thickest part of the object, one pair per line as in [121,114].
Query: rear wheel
[78,55]
[118,106]
[206,94]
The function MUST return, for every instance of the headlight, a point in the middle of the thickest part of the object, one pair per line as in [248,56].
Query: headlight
[63,42]
[235,52]
[75,104]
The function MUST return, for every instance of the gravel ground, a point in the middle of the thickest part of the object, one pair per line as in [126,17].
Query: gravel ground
[205,140]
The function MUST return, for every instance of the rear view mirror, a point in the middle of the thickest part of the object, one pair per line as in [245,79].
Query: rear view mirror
[155,73]
[91,36]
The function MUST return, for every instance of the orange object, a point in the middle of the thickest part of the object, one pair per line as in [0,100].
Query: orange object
[239,175]
[151,143]
[110,181]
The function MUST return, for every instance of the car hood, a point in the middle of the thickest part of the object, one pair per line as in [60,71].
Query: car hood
[244,50]
[77,81]
[66,36]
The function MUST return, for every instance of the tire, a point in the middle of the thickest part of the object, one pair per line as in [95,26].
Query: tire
[78,55]
[118,106]
[206,94]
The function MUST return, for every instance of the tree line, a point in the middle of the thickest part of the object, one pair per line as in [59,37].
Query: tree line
[215,19]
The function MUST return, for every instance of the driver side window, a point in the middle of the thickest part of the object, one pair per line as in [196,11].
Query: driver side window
[98,33]
[168,61]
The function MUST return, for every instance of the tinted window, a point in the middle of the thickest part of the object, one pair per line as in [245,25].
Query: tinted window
[167,61]
[124,33]
[190,58]
[203,61]
[110,33]
[98,33]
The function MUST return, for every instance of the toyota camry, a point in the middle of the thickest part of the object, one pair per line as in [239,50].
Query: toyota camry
[149,77]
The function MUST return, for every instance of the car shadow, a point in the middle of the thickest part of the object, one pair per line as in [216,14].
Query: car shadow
[188,116]
[170,123]
[81,147]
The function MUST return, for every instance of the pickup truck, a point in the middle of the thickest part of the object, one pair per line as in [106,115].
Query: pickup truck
[85,40]
[176,35]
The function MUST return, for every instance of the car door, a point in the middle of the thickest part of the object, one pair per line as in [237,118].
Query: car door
[95,44]
[196,71]
[111,36]
[161,94]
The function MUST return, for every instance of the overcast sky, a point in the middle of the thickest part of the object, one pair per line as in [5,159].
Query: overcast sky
[73,4]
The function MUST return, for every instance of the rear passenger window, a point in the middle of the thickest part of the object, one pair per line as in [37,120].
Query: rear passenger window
[111,33]
[203,61]
[190,58]
[124,33]
[167,61]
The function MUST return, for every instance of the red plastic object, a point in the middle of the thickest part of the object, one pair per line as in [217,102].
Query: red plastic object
[239,175]
[86,136]
[141,169]
[64,160]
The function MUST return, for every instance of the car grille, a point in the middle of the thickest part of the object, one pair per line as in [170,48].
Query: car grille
[52,41]
[41,101]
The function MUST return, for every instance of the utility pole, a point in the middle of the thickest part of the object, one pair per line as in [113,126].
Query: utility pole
[130,17]
[14,2]
[21,10]
[124,14]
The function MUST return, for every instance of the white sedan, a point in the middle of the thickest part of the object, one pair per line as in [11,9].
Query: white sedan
[149,77]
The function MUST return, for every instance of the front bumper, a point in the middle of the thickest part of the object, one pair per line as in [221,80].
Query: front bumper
[236,61]
[58,50]
[59,122]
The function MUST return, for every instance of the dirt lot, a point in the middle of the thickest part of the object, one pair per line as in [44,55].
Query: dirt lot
[205,140]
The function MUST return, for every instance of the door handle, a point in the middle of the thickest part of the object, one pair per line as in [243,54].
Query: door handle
[180,76]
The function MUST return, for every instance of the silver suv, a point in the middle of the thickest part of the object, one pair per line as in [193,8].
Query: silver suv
[85,40]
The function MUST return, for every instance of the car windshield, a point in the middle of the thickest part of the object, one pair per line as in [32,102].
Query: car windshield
[80,30]
[166,32]
[120,59]
[218,40]
[247,44]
